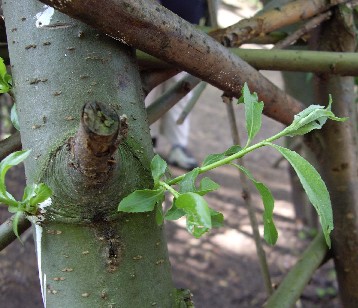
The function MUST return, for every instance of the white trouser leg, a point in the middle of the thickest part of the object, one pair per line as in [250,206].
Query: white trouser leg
[175,134]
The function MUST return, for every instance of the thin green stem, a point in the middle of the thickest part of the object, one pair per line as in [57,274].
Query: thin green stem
[169,188]
[230,158]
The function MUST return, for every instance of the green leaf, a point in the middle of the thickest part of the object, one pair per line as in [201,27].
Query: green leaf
[5,78]
[212,158]
[187,184]
[141,201]
[314,187]
[198,218]
[14,118]
[158,167]
[15,224]
[29,192]
[174,213]
[270,231]
[41,193]
[313,117]
[159,217]
[207,185]
[217,219]
[8,199]
[233,150]
[253,112]
[9,161]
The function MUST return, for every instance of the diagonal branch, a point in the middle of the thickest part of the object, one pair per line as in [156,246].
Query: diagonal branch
[296,280]
[271,20]
[170,97]
[295,36]
[7,235]
[150,27]
[9,145]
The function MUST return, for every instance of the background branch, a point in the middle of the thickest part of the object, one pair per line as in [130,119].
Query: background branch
[311,24]
[296,280]
[9,145]
[271,20]
[7,235]
[153,77]
[170,97]
[339,63]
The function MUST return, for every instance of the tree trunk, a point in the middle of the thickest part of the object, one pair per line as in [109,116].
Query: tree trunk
[88,253]
[336,148]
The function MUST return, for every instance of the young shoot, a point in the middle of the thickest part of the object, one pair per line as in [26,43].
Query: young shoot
[188,197]
[33,196]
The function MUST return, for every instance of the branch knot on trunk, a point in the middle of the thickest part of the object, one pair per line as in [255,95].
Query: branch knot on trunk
[100,132]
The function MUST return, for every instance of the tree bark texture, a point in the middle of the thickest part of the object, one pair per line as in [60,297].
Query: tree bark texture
[337,152]
[150,27]
[72,84]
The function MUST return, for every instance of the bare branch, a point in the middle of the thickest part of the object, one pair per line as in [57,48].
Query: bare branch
[170,97]
[338,63]
[193,100]
[271,20]
[150,27]
[9,145]
[296,280]
[152,78]
[313,23]
[7,235]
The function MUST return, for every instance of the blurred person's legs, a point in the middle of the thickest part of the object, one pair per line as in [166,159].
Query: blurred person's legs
[177,135]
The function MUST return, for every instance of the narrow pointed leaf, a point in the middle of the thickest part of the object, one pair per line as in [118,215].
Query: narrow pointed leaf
[141,201]
[159,217]
[233,150]
[42,192]
[270,231]
[14,117]
[29,192]
[158,167]
[253,112]
[15,224]
[8,199]
[313,117]
[9,161]
[314,187]
[212,158]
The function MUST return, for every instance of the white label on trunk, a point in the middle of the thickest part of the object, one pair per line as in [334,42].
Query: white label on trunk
[43,19]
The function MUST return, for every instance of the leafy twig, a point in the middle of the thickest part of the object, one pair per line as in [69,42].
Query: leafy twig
[188,200]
